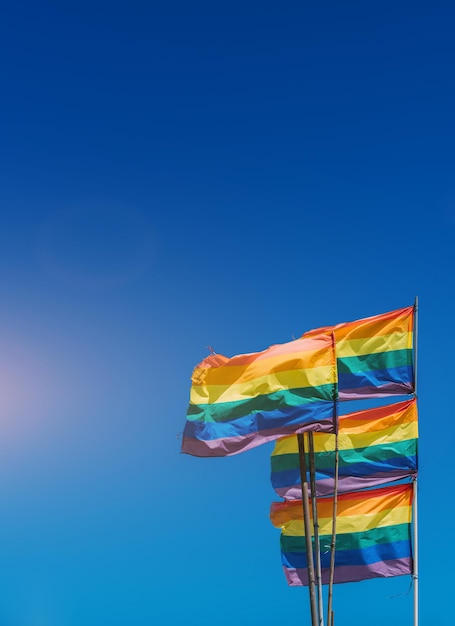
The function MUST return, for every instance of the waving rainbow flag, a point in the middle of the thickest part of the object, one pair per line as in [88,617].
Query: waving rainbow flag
[241,402]
[373,535]
[376,446]
[374,355]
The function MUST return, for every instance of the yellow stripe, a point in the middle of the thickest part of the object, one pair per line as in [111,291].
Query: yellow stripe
[276,381]
[378,419]
[234,371]
[362,428]
[286,445]
[375,502]
[346,441]
[353,523]
[372,345]
[384,324]
[362,440]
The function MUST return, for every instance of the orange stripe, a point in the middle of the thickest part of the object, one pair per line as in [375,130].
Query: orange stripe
[378,419]
[360,503]
[400,320]
[299,354]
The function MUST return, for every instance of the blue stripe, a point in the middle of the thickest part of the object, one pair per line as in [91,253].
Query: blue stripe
[366,468]
[366,556]
[286,478]
[261,422]
[402,376]
[291,477]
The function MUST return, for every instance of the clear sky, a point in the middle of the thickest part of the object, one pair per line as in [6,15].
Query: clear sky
[176,175]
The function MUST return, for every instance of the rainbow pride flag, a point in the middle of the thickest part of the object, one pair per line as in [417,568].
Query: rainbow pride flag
[376,446]
[241,402]
[373,535]
[374,355]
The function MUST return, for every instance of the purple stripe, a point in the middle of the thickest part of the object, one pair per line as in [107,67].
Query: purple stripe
[290,493]
[324,487]
[353,573]
[375,391]
[228,446]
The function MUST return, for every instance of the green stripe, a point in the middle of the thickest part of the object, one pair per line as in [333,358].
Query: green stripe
[378,453]
[375,361]
[351,541]
[283,462]
[326,460]
[227,411]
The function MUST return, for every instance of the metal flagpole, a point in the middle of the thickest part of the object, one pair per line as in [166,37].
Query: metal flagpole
[307,527]
[416,312]
[330,615]
[317,546]
[334,534]
[415,567]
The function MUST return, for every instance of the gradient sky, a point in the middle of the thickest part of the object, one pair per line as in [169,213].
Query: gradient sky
[177,175]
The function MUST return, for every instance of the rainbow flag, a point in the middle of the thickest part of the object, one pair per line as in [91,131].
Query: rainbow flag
[373,535]
[376,446]
[374,355]
[241,402]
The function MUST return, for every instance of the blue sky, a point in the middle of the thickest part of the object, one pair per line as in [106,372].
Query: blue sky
[180,175]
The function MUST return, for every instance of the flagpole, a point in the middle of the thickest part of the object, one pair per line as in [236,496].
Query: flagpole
[415,566]
[307,527]
[334,534]
[317,547]
[416,314]
[330,615]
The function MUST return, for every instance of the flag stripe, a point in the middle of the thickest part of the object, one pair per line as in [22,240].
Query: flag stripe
[227,446]
[400,341]
[349,504]
[405,465]
[379,418]
[385,324]
[228,411]
[310,378]
[358,423]
[220,370]
[400,441]
[360,462]
[359,522]
[381,361]
[263,420]
[353,573]
[363,556]
[350,541]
